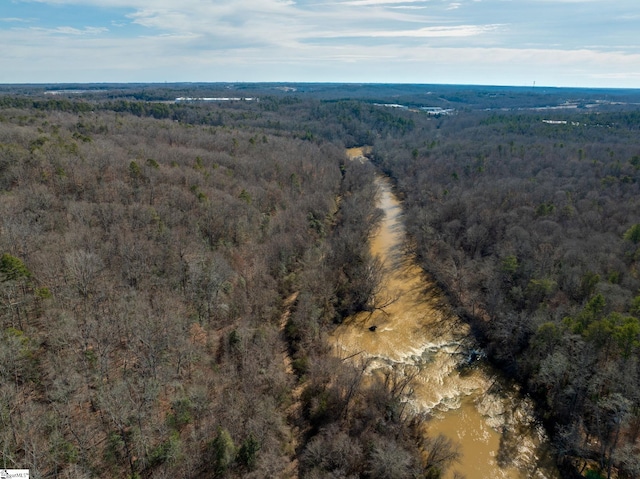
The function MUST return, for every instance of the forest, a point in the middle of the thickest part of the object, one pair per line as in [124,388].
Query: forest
[169,273]
[166,289]
[532,228]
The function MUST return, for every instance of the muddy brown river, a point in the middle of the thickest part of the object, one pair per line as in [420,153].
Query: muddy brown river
[416,335]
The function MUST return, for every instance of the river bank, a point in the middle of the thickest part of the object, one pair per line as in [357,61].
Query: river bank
[417,337]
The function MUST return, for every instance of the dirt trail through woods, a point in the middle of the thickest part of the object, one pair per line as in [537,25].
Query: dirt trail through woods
[294,410]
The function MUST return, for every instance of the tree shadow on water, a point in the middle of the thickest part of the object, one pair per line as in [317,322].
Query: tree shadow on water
[540,460]
[508,448]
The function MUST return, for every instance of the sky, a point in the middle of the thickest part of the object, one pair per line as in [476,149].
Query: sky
[564,43]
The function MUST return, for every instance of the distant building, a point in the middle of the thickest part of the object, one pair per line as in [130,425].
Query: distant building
[183,99]
[436,110]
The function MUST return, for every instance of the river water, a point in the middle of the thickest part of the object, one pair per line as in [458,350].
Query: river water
[416,335]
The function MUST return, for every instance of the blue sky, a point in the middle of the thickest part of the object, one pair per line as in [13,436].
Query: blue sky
[583,43]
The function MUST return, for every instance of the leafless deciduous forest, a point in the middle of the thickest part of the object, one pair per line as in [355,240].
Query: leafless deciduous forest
[166,287]
[533,229]
[169,272]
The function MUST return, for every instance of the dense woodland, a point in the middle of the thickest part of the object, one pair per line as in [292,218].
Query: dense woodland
[169,272]
[166,288]
[533,229]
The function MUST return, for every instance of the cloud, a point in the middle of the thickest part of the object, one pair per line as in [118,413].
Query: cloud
[76,31]
[493,41]
[16,20]
[361,3]
[175,56]
[426,32]
[619,75]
